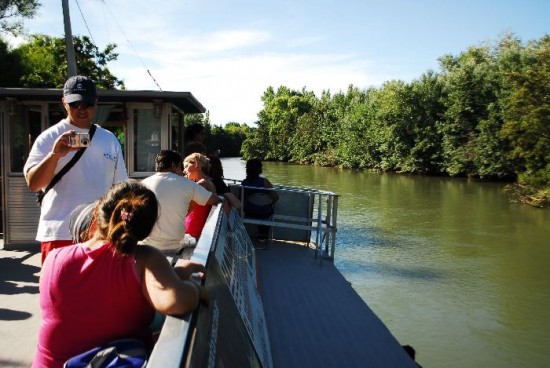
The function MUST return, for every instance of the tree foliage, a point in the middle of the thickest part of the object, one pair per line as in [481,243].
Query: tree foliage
[44,62]
[12,13]
[486,115]
[527,116]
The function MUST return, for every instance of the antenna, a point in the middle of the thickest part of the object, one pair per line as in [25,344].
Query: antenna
[85,23]
[132,46]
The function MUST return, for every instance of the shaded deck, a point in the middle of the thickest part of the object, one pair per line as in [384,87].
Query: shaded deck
[19,309]
[315,318]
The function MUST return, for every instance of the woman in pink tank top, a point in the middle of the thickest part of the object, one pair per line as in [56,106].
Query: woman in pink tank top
[109,287]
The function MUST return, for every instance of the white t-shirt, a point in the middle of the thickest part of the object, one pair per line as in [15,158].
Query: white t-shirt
[101,166]
[174,194]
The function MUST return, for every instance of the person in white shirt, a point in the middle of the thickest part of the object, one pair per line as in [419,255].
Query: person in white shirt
[174,194]
[100,166]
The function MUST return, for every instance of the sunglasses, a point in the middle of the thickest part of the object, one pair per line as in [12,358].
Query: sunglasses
[80,105]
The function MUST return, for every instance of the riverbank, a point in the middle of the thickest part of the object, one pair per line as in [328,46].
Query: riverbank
[520,193]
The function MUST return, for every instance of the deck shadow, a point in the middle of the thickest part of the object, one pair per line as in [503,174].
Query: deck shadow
[13,272]
[13,315]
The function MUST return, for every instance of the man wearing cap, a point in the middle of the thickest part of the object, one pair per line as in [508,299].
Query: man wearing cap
[100,166]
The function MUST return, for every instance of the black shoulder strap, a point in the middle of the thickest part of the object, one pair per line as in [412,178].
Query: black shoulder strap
[71,163]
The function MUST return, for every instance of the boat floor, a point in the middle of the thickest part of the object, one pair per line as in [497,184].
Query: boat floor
[19,308]
[315,318]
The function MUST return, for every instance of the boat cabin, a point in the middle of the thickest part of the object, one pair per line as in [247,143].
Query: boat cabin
[143,121]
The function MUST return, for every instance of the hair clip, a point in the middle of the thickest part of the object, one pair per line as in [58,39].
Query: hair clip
[125,215]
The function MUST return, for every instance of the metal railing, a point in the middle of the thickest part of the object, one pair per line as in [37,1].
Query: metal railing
[299,208]
[174,339]
[224,247]
[234,318]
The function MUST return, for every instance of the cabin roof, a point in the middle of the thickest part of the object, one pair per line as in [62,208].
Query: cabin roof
[185,101]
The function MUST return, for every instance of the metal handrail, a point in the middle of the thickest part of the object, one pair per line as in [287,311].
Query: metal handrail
[321,217]
[173,342]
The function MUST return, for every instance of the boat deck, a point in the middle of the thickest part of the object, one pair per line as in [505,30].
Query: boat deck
[19,309]
[304,298]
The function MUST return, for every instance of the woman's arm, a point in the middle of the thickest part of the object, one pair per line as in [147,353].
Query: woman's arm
[164,289]
[233,200]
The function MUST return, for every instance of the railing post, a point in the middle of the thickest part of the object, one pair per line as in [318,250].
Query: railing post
[328,226]
[334,224]
[318,245]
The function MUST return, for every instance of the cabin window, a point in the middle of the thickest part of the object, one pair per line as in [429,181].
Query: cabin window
[176,123]
[25,127]
[147,137]
[56,113]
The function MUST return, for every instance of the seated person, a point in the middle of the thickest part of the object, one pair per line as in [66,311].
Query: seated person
[255,209]
[216,174]
[195,167]
[109,287]
[174,194]
[80,222]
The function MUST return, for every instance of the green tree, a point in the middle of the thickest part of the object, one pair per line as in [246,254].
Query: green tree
[527,115]
[427,111]
[317,133]
[12,13]
[10,72]
[203,119]
[280,113]
[356,148]
[393,123]
[257,143]
[471,86]
[229,139]
[44,62]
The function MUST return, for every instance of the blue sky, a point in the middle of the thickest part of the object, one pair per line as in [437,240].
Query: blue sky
[228,52]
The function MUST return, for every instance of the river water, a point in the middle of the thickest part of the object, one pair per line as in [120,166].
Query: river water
[449,265]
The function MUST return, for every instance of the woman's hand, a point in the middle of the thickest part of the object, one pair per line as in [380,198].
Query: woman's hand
[185,269]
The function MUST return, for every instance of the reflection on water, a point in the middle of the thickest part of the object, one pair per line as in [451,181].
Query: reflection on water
[449,265]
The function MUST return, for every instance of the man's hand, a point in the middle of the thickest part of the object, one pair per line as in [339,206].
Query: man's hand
[61,145]
[41,175]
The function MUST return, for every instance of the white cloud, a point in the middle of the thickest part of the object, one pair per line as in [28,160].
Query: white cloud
[231,87]
[228,72]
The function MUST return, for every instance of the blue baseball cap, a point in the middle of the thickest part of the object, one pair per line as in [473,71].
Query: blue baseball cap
[80,88]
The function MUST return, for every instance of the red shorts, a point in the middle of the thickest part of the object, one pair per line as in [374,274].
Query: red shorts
[47,247]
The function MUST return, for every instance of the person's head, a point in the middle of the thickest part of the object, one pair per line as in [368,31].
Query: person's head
[195,164]
[194,133]
[126,214]
[79,100]
[169,160]
[253,168]
[216,168]
[81,222]
[194,147]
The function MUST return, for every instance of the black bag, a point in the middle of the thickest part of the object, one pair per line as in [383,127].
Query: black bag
[41,193]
